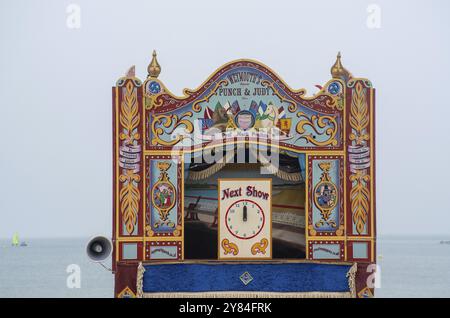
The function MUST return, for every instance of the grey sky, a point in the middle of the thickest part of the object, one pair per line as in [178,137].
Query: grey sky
[55,90]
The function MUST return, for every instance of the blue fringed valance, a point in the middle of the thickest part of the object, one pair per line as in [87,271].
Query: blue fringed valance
[268,279]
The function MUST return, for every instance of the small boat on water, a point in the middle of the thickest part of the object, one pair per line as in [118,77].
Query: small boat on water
[16,242]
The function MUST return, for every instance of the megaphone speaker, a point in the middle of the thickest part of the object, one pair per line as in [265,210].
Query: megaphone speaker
[99,248]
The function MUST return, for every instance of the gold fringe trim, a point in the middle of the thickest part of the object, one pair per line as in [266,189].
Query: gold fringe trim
[287,176]
[351,275]
[140,281]
[201,175]
[232,294]
[294,177]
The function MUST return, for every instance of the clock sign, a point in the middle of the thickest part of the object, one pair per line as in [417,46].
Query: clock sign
[245,219]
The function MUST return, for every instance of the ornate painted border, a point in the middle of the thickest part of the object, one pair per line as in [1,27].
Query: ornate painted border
[162,244]
[178,231]
[164,103]
[340,228]
[342,249]
[128,150]
[360,168]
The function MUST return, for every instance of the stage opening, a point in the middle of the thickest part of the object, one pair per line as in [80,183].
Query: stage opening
[288,205]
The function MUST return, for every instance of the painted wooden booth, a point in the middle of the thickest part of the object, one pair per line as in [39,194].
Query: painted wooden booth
[241,175]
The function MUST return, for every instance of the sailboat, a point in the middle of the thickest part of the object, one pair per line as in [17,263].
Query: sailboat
[16,242]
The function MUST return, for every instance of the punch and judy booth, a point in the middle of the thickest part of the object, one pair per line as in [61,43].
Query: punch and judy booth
[243,187]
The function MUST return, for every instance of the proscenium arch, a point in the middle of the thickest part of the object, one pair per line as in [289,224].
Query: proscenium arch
[316,121]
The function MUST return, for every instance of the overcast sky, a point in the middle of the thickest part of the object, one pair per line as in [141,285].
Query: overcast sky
[55,93]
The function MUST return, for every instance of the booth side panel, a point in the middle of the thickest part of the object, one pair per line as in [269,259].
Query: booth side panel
[325,221]
[164,228]
[360,183]
[128,180]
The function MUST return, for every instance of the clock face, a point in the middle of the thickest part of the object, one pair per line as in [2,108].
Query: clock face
[244,219]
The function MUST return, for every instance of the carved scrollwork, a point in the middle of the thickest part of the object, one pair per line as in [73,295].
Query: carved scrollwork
[360,196]
[177,231]
[149,231]
[359,119]
[260,247]
[229,247]
[196,106]
[129,115]
[170,122]
[129,195]
[321,125]
[292,105]
[351,83]
[359,157]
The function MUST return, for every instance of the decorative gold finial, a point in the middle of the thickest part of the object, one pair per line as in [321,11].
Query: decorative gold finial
[339,71]
[154,68]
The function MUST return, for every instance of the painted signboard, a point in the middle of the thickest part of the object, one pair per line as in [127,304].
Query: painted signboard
[245,218]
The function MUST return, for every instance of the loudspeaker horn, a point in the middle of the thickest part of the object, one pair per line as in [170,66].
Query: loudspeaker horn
[99,248]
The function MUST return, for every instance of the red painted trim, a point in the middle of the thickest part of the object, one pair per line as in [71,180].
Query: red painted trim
[178,244]
[348,184]
[139,252]
[373,91]
[350,251]
[330,242]
[171,103]
[140,130]
[114,176]
[141,111]
[125,277]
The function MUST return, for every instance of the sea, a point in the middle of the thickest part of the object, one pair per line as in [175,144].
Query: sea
[408,267]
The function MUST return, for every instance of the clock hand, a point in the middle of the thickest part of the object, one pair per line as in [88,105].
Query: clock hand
[244,214]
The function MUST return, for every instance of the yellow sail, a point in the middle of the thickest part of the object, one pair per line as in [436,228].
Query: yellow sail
[15,239]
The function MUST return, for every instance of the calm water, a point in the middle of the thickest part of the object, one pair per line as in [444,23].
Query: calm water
[410,267]
[39,270]
[414,267]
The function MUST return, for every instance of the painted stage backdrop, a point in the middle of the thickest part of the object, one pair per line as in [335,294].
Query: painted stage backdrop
[243,102]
